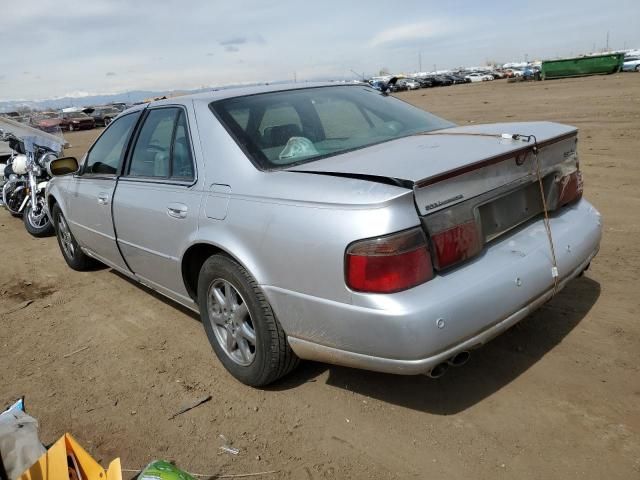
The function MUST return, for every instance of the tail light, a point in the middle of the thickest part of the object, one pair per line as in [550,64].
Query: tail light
[456,244]
[388,264]
[570,188]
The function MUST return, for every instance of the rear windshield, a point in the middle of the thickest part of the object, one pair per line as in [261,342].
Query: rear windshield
[281,129]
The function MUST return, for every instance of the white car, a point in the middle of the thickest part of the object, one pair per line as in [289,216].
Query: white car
[631,64]
[412,84]
[479,77]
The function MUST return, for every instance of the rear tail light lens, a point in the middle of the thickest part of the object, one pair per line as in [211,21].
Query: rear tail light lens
[456,244]
[388,264]
[570,188]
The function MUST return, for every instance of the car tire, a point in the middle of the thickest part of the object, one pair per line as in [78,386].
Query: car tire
[44,229]
[75,257]
[70,127]
[638,68]
[107,121]
[242,328]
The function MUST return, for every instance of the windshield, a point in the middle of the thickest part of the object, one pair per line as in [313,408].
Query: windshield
[75,115]
[280,129]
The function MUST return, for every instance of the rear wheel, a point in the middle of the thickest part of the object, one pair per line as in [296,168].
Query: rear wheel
[36,221]
[71,252]
[637,68]
[240,324]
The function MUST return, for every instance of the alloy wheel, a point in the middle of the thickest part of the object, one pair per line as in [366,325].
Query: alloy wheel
[231,322]
[65,237]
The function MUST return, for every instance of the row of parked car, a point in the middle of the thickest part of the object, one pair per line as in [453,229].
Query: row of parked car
[454,78]
[85,119]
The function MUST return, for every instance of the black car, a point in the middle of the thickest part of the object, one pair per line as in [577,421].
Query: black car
[456,79]
[441,81]
[104,115]
[425,82]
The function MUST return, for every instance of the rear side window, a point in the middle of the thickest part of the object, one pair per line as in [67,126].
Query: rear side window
[162,149]
[181,160]
[106,154]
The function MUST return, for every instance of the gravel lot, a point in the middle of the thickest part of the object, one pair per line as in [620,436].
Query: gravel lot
[558,396]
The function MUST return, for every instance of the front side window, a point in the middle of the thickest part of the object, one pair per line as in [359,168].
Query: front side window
[281,129]
[107,152]
[162,149]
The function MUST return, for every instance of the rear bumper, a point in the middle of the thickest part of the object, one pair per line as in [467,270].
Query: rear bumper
[313,351]
[411,332]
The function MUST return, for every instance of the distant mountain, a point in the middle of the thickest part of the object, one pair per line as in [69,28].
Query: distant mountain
[126,97]
[64,102]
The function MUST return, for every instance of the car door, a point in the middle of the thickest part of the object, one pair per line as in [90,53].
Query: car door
[91,192]
[156,202]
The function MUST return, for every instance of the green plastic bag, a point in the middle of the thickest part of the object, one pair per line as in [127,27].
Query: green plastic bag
[163,470]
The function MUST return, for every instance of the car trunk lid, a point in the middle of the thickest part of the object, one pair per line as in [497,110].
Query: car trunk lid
[472,184]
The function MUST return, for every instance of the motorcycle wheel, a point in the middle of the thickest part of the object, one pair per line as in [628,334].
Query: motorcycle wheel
[37,224]
[12,204]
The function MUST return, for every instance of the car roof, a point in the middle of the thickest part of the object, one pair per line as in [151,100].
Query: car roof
[223,93]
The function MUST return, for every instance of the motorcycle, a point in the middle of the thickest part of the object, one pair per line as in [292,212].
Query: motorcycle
[34,213]
[14,180]
[27,177]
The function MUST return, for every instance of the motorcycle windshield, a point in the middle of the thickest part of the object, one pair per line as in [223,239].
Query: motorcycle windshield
[41,130]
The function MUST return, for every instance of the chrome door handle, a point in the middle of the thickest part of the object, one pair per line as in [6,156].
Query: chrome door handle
[103,198]
[177,210]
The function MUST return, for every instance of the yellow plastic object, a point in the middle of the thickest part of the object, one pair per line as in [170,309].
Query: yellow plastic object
[55,464]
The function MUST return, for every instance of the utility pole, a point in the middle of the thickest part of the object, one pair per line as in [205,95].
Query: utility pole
[607,40]
[435,70]
[294,77]
[419,61]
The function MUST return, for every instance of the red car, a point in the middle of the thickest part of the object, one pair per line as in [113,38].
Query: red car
[46,121]
[77,121]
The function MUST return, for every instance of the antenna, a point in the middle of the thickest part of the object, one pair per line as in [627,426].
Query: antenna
[357,74]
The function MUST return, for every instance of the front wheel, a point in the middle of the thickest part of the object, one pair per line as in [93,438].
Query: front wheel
[240,324]
[37,221]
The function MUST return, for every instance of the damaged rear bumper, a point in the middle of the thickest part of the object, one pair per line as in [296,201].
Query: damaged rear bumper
[413,331]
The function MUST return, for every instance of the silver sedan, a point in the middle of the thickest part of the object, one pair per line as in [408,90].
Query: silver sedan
[331,222]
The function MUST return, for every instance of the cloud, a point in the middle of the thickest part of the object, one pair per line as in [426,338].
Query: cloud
[410,33]
[234,41]
[110,74]
[243,40]
[107,37]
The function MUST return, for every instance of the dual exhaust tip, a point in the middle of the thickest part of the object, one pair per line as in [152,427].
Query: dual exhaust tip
[457,360]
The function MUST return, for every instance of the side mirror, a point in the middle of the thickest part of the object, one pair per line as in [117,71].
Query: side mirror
[62,166]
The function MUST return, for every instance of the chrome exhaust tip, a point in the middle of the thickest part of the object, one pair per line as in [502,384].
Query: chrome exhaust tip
[439,370]
[459,359]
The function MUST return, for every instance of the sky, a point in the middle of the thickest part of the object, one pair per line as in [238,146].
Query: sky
[56,48]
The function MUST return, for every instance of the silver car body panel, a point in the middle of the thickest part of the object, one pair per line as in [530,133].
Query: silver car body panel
[290,229]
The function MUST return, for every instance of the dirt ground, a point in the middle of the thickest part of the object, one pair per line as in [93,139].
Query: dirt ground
[558,396]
